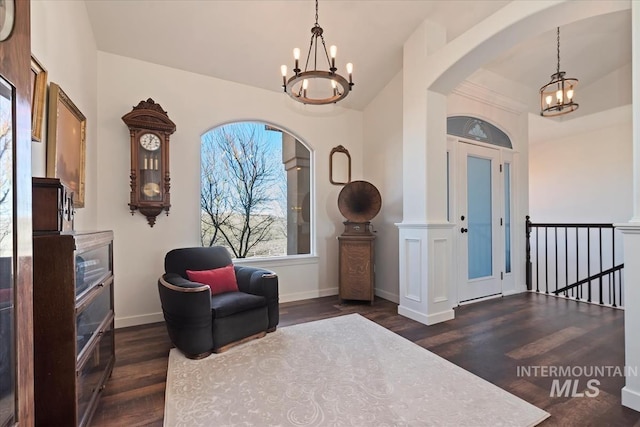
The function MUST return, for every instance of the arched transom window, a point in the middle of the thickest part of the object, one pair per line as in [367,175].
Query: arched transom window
[478,130]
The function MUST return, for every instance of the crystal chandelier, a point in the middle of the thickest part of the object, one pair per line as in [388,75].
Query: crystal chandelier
[556,97]
[314,86]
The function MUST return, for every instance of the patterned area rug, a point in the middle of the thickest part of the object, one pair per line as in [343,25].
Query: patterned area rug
[343,371]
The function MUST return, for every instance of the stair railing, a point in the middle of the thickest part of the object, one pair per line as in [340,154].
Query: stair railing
[577,261]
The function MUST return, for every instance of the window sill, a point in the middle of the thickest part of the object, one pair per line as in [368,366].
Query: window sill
[283,261]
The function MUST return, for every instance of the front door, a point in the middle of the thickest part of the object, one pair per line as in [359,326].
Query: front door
[479,215]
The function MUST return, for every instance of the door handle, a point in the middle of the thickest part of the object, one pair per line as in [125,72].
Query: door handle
[463,230]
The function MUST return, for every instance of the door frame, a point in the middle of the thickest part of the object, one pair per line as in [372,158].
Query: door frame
[505,155]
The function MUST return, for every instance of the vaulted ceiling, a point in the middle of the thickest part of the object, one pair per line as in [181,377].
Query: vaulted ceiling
[247,41]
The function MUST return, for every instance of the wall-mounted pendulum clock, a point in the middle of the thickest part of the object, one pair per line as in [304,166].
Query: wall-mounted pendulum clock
[150,128]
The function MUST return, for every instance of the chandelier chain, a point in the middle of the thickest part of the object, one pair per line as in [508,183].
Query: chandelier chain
[316,12]
[306,64]
[325,51]
[558,71]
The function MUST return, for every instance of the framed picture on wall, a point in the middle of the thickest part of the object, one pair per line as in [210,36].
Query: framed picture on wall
[66,142]
[38,95]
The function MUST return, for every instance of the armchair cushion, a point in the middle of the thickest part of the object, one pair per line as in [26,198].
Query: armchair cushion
[230,303]
[219,280]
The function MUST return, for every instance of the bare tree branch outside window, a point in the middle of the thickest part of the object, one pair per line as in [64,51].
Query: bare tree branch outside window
[242,204]
[6,182]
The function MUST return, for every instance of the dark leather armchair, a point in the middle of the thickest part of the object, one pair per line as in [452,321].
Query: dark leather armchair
[199,323]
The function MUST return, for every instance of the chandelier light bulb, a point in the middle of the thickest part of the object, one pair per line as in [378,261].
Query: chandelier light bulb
[296,56]
[570,94]
[559,96]
[333,50]
[350,72]
[305,84]
[283,70]
[548,100]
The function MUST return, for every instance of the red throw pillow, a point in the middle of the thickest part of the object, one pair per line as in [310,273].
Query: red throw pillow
[219,280]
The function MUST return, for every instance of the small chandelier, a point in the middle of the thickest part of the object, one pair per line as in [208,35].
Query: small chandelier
[313,86]
[556,97]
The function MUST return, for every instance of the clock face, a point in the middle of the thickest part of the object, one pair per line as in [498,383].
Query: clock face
[150,141]
[151,189]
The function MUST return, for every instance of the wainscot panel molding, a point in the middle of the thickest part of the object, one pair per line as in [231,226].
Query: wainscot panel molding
[427,293]
[631,250]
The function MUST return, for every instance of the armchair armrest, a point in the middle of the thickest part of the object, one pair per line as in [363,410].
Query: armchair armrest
[258,281]
[186,307]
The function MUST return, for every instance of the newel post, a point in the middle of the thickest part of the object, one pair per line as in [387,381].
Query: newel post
[528,244]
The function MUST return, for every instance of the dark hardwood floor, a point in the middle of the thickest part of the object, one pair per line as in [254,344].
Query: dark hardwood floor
[493,339]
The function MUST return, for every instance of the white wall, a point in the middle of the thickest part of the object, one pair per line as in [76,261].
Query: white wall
[610,91]
[62,40]
[585,176]
[197,103]
[383,168]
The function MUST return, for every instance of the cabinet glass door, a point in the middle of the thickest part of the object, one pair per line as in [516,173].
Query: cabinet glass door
[7,287]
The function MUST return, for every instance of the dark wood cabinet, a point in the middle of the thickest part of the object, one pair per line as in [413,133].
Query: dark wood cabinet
[53,209]
[74,349]
[356,262]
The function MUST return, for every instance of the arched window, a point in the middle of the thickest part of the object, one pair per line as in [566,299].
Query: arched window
[255,191]
[478,130]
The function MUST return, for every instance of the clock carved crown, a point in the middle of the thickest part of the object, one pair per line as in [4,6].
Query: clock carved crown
[149,130]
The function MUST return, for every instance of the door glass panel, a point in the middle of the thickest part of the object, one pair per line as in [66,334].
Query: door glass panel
[507,217]
[479,219]
[7,311]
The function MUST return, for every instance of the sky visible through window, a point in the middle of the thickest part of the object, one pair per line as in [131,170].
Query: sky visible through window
[244,189]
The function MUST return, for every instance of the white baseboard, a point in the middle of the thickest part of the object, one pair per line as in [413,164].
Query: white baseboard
[297,296]
[443,316]
[429,319]
[631,398]
[143,319]
[388,295]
